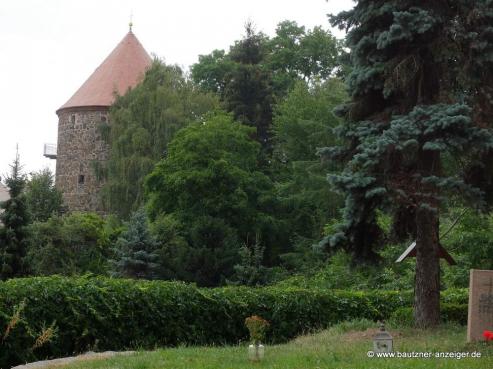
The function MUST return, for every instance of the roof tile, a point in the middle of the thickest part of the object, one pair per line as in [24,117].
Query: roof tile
[121,70]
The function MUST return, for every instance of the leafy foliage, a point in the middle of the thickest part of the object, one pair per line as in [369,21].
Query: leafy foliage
[117,314]
[339,272]
[73,244]
[21,342]
[296,53]
[471,244]
[172,250]
[449,312]
[259,71]
[42,198]
[293,54]
[209,182]
[303,123]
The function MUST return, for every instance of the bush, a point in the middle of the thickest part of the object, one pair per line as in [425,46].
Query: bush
[456,313]
[115,314]
[18,340]
[73,244]
[340,272]
[402,317]
[449,313]
[471,244]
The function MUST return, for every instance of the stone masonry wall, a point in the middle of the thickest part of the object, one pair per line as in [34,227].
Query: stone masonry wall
[79,145]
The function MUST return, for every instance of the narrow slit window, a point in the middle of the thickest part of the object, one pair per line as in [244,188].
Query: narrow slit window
[81,179]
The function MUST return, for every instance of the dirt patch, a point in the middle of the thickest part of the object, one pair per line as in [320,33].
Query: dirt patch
[67,360]
[353,336]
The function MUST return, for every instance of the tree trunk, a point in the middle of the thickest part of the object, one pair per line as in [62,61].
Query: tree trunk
[427,284]
[403,224]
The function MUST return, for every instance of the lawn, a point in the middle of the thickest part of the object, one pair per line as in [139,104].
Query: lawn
[343,347]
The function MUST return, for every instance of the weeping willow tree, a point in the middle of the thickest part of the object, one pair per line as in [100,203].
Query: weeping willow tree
[143,121]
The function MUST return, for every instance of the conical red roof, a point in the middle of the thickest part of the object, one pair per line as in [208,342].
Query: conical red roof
[123,68]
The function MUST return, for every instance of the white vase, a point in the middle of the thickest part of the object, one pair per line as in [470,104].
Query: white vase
[256,352]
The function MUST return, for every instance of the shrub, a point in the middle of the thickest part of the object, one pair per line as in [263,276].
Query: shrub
[18,341]
[96,313]
[454,313]
[402,317]
[449,313]
[471,244]
[73,244]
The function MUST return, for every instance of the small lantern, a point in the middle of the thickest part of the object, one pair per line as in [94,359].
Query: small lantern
[382,341]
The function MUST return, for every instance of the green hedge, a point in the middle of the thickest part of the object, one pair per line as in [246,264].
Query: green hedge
[114,314]
[454,313]
[449,312]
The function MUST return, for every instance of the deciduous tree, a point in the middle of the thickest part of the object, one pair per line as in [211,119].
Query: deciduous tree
[211,184]
[43,199]
[303,123]
[258,71]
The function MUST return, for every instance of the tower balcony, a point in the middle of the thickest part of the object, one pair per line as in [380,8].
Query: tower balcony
[50,151]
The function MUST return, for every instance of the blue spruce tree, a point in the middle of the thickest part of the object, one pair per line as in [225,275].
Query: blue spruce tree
[475,35]
[411,107]
[135,250]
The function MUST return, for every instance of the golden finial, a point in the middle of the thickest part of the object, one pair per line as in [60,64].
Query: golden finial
[130,24]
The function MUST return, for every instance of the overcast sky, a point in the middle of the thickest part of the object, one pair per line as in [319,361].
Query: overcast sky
[48,48]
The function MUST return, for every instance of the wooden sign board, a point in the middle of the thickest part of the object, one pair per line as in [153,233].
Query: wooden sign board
[411,252]
[480,311]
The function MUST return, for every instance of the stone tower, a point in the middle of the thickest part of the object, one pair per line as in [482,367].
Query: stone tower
[81,148]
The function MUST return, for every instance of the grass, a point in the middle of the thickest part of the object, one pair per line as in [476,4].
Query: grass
[343,346]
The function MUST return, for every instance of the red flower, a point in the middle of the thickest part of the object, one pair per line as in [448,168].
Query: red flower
[488,335]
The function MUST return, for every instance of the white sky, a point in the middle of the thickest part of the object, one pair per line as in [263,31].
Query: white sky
[48,48]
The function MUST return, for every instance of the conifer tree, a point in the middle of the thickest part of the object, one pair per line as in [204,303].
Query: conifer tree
[135,250]
[13,222]
[475,38]
[250,271]
[407,114]
[248,93]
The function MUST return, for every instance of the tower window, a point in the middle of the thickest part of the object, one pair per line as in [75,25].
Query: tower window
[72,118]
[81,179]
